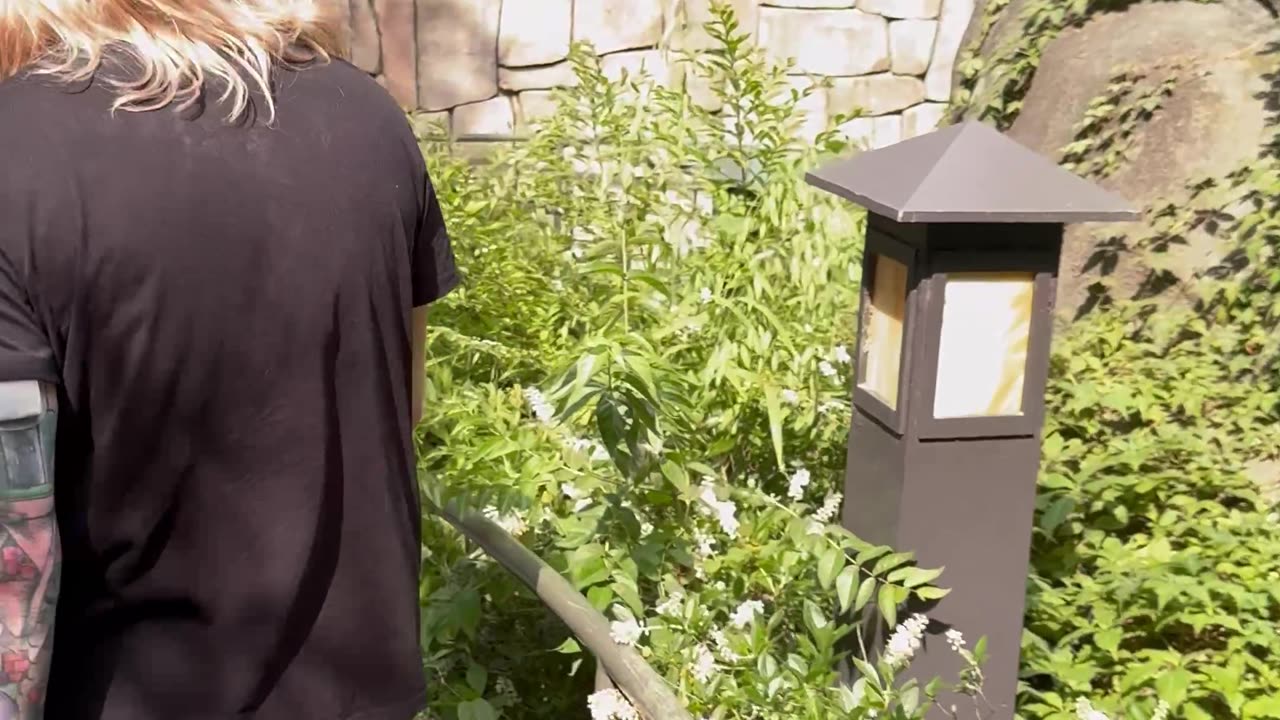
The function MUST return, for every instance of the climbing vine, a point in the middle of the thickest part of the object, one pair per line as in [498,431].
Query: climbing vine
[1104,138]
[1153,572]
[992,81]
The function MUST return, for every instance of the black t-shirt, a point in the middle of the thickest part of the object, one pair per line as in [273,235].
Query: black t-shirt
[226,312]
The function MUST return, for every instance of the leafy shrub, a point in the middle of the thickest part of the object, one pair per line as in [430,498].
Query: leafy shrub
[646,380]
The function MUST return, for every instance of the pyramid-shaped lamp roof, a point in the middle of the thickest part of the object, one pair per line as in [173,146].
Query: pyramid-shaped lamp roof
[968,172]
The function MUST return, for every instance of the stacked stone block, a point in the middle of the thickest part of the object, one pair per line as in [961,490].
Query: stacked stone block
[486,68]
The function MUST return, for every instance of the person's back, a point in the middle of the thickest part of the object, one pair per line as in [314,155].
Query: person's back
[224,309]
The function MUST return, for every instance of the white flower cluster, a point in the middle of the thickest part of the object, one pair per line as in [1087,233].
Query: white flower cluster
[842,355]
[745,613]
[955,639]
[626,631]
[722,646]
[724,510]
[829,508]
[610,705]
[906,640]
[706,544]
[546,413]
[827,369]
[704,663]
[538,404]
[705,295]
[504,688]
[790,396]
[672,605]
[581,499]
[799,481]
[832,406]
[1086,711]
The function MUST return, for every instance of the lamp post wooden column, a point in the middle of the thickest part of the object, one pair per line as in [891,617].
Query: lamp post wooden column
[964,235]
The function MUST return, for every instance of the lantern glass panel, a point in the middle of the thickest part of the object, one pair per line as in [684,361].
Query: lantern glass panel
[882,322]
[982,357]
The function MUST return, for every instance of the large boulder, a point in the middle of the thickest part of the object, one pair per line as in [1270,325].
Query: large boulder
[1220,56]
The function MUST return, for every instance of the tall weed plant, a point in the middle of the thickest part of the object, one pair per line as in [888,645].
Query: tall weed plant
[646,380]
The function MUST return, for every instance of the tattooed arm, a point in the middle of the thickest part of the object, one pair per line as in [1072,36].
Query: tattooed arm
[30,555]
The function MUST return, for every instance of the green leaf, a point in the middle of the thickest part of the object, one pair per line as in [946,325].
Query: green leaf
[829,566]
[913,576]
[931,593]
[865,590]
[569,647]
[1172,686]
[888,605]
[845,583]
[775,421]
[477,678]
[476,710]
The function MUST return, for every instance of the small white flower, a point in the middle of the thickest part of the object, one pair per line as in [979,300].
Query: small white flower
[842,355]
[724,510]
[829,508]
[610,705]
[646,529]
[1086,711]
[790,397]
[955,639]
[705,295]
[906,640]
[704,663]
[722,646]
[745,613]
[832,406]
[539,405]
[626,632]
[799,481]
[672,605]
[827,369]
[706,544]
[704,203]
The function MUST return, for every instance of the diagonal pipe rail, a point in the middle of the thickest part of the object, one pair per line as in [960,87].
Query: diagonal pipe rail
[624,666]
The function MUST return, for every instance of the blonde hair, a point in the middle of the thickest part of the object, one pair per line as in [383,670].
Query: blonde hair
[178,44]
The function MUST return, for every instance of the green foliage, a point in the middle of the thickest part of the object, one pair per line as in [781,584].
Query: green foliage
[1106,134]
[1155,562]
[992,78]
[645,379]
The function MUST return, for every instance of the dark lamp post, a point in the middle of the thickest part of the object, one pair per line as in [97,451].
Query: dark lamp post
[964,234]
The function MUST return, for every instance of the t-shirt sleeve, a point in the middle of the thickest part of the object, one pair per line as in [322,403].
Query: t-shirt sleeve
[24,350]
[434,270]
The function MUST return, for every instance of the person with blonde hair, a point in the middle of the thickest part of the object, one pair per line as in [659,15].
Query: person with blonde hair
[218,240]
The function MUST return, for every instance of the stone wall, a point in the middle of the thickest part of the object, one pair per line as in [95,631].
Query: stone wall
[487,66]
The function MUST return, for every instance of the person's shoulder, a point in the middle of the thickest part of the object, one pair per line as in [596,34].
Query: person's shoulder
[347,85]
[24,94]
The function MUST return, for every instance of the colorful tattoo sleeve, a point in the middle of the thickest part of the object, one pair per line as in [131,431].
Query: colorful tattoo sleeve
[30,556]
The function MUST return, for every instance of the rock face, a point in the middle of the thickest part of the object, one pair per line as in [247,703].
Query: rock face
[613,25]
[879,94]
[398,49]
[457,52]
[826,42]
[1212,123]
[891,58]
[911,45]
[534,32]
[955,19]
